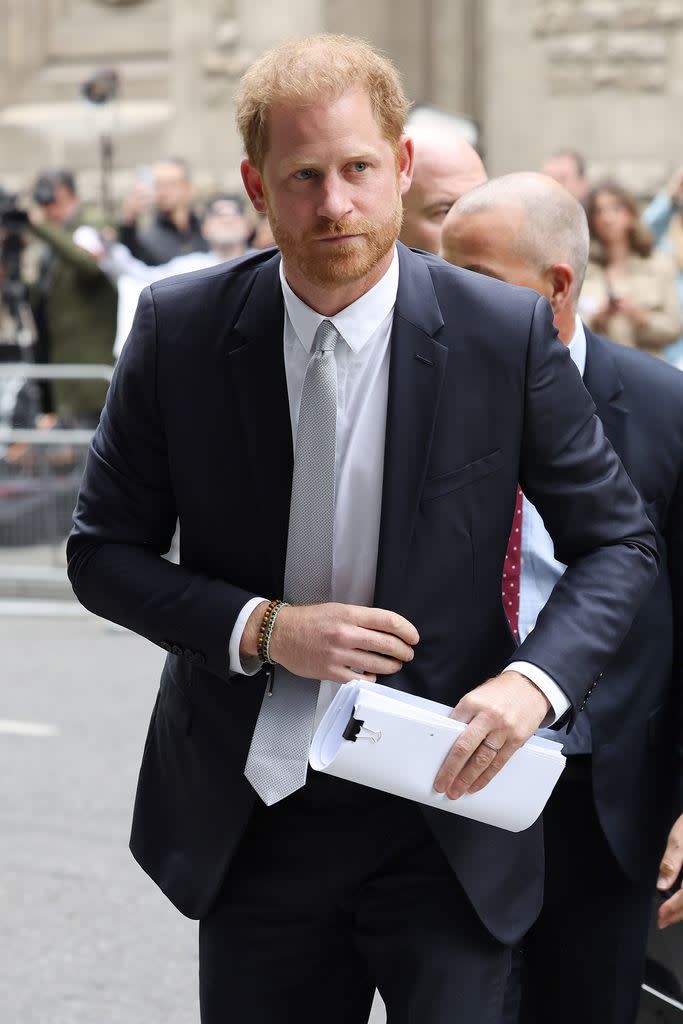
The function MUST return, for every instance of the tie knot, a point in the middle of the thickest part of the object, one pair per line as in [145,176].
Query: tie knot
[326,337]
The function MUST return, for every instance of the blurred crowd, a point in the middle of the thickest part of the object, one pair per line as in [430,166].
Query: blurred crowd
[70,279]
[76,285]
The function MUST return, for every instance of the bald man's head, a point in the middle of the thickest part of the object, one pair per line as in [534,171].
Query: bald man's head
[524,229]
[445,168]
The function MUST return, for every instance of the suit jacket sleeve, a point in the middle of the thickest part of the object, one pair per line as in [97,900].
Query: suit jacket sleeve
[674,542]
[126,516]
[596,519]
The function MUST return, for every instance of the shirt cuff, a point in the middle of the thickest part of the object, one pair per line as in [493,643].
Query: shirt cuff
[559,701]
[251,664]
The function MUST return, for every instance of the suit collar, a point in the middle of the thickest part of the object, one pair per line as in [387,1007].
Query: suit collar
[416,373]
[604,384]
[259,384]
[601,375]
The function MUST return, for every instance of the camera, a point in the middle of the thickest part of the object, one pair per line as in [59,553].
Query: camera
[102,87]
[44,191]
[13,221]
[12,217]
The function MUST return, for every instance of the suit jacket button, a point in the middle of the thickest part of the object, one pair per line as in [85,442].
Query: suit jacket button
[175,649]
[164,644]
[199,658]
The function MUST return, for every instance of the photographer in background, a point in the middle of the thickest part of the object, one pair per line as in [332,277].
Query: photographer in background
[74,301]
[174,229]
[19,401]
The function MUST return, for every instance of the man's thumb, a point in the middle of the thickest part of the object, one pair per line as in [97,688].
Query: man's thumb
[667,873]
[665,877]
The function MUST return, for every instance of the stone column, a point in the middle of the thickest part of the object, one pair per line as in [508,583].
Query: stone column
[456,56]
[191,25]
[237,34]
[272,21]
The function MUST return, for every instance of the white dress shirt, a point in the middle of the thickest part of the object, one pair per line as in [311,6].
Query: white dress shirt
[362,390]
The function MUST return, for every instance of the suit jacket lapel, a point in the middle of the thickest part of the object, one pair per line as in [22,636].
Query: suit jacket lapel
[417,367]
[257,369]
[604,384]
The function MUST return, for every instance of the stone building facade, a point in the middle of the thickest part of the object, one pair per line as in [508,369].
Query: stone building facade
[603,76]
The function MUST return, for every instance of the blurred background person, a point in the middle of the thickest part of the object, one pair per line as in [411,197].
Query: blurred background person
[19,400]
[606,822]
[445,167]
[568,168]
[630,292]
[664,218]
[171,227]
[74,301]
[225,233]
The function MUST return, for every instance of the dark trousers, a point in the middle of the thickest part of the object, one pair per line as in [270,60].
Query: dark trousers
[585,956]
[334,891]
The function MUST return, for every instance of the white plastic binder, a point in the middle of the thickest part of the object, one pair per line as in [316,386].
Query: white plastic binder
[396,742]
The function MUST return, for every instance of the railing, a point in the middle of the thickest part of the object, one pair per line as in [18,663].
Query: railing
[40,474]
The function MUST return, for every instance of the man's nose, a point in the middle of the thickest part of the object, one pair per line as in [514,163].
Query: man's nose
[335,199]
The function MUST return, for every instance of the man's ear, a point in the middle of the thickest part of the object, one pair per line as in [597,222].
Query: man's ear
[561,277]
[406,161]
[253,183]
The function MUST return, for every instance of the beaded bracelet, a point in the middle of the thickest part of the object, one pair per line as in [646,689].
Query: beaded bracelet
[269,631]
[266,630]
[263,627]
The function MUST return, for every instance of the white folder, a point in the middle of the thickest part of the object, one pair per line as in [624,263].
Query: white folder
[396,742]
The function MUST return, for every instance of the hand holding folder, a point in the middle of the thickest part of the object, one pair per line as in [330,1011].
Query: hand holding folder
[396,742]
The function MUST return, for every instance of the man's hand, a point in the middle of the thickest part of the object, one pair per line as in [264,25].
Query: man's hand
[335,641]
[136,201]
[675,185]
[504,712]
[631,311]
[672,862]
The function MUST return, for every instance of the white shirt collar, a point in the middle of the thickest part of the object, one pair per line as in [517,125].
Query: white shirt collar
[357,323]
[577,346]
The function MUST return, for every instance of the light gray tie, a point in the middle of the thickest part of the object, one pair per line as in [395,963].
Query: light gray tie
[278,757]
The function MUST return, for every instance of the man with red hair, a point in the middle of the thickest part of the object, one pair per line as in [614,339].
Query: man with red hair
[342,425]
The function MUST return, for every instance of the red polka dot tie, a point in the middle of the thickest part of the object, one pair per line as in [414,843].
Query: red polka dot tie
[512,568]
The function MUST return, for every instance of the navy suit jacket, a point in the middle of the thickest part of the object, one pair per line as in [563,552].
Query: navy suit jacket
[196,426]
[635,713]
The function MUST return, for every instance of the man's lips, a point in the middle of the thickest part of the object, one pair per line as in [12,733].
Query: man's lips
[337,238]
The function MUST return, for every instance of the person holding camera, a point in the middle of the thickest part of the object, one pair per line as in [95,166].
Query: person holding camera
[630,291]
[173,228]
[74,301]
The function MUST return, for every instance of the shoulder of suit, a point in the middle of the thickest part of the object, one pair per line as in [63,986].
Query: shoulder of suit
[195,284]
[646,377]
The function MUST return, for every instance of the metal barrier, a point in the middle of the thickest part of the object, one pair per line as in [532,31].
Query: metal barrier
[40,474]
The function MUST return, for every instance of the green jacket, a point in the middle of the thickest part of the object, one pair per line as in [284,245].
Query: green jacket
[81,317]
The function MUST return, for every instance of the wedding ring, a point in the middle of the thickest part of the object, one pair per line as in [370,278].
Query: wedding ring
[485,743]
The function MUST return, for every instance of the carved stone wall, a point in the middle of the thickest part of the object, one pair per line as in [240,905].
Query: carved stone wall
[605,76]
[601,44]
[602,76]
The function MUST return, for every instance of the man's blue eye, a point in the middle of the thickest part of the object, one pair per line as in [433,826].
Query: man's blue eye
[304,175]
[360,165]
